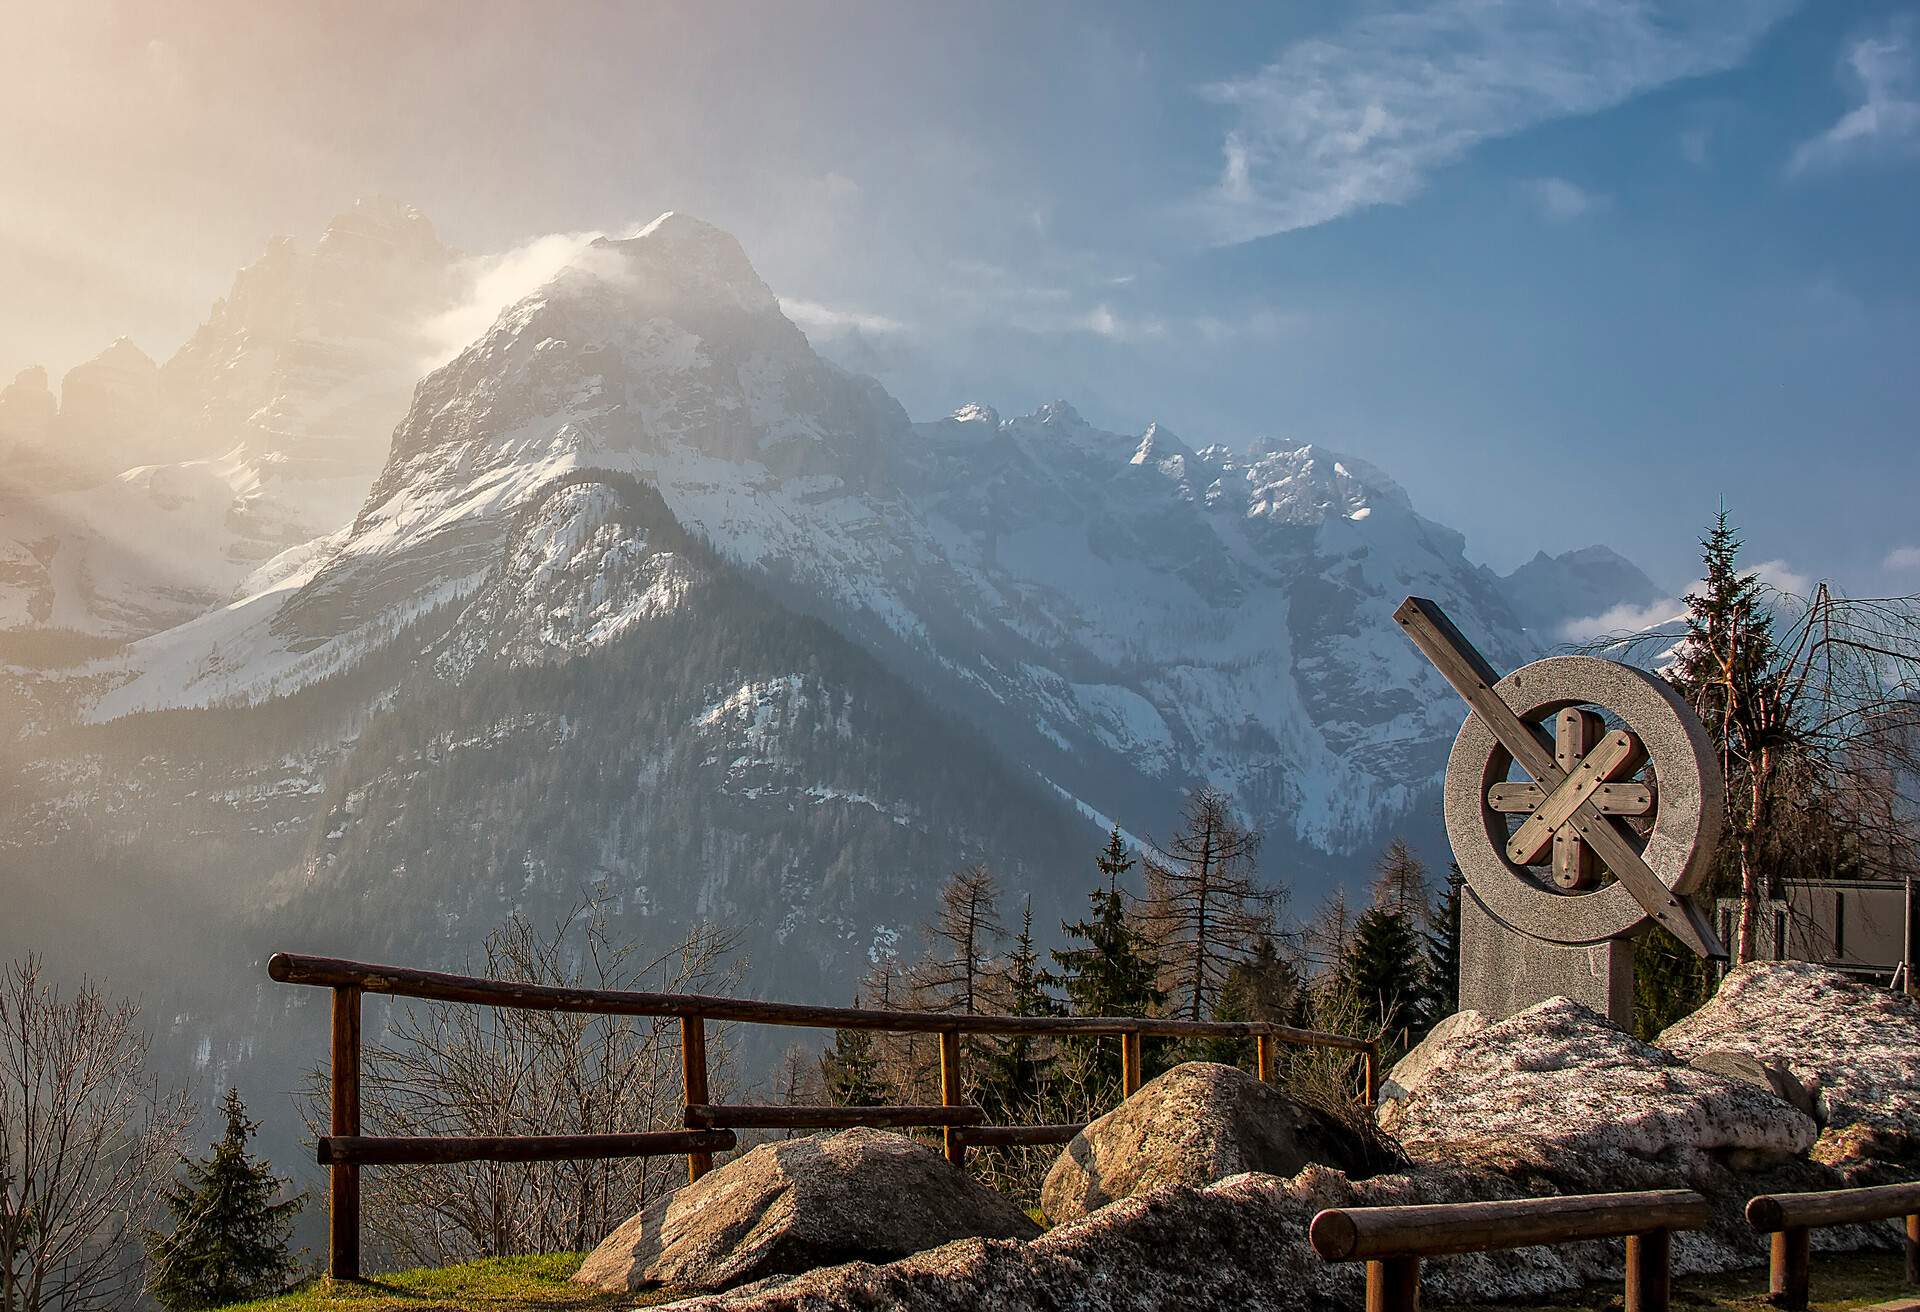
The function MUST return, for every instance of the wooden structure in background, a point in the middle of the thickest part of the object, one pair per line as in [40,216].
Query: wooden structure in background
[710,1127]
[1790,1217]
[1392,1240]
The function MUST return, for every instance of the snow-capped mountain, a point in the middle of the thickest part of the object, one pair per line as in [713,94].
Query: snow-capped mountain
[149,494]
[1124,615]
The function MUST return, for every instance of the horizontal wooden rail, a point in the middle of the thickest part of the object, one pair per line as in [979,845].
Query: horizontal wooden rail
[780,1117]
[1790,1218]
[404,981]
[1017,1136]
[413,1150]
[1392,1240]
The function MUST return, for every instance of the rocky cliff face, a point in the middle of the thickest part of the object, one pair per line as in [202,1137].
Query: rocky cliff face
[151,494]
[1128,615]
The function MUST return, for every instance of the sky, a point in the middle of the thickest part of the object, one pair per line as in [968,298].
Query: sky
[1570,272]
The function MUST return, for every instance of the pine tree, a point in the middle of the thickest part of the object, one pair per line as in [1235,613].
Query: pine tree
[1443,947]
[1115,974]
[1266,986]
[1013,1075]
[229,1238]
[851,1070]
[1384,973]
[1729,668]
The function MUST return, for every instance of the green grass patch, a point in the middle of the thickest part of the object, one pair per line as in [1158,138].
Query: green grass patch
[499,1284]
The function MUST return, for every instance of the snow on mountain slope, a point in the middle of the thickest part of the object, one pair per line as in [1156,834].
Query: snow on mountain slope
[1549,592]
[150,493]
[1126,615]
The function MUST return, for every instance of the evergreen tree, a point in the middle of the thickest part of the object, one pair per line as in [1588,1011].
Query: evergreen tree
[1443,947]
[1013,1075]
[1115,974]
[229,1238]
[1384,975]
[851,1070]
[1266,986]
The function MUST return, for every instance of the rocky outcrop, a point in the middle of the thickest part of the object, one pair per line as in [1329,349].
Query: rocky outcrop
[1600,1109]
[1198,1123]
[800,1204]
[1241,1243]
[1412,1070]
[1854,1049]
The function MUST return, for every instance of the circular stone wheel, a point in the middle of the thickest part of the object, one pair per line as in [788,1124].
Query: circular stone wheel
[1687,811]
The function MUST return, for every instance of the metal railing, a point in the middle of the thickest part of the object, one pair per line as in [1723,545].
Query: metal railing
[710,1127]
[1392,1240]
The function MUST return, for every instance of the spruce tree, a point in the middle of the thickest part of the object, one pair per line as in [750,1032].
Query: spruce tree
[851,1070]
[229,1237]
[1384,974]
[1443,947]
[1013,1075]
[1114,974]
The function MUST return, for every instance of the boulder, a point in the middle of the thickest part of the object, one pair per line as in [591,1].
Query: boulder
[1769,1073]
[1590,1107]
[1854,1049]
[1408,1073]
[1240,1244]
[799,1204]
[1198,1123]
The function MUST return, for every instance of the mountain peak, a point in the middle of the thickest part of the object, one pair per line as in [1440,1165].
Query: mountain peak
[677,261]
[973,412]
[1059,412]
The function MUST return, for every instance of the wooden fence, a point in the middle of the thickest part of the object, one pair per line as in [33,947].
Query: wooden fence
[710,1127]
[1790,1217]
[1392,1240]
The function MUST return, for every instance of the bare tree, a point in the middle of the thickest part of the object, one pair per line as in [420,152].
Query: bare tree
[86,1141]
[449,1069]
[1205,906]
[960,942]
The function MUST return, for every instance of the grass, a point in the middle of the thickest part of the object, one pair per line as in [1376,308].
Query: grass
[498,1284]
[1842,1282]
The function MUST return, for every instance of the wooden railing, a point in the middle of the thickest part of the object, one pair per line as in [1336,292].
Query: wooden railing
[1790,1217]
[710,1127]
[1392,1240]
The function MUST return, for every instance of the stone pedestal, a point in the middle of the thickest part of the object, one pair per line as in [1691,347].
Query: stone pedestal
[1503,971]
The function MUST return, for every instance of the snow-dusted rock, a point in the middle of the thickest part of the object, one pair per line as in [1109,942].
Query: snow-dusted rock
[1600,1109]
[795,1205]
[1198,1123]
[1854,1048]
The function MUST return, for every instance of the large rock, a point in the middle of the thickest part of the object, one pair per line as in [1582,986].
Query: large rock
[1240,1244]
[1198,1123]
[804,1203]
[1593,1107]
[1412,1070]
[1855,1049]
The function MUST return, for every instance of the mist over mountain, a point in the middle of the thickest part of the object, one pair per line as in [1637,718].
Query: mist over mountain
[648,601]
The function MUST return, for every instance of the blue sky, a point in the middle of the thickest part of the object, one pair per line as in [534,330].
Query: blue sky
[1569,271]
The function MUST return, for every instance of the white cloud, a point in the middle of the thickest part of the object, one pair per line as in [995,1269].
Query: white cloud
[1886,121]
[1782,577]
[1359,118]
[1623,619]
[828,321]
[1561,200]
[497,281]
[1902,558]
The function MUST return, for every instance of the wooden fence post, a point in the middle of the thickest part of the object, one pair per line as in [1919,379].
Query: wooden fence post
[693,1080]
[1393,1284]
[1650,1271]
[1131,1076]
[1913,1250]
[1787,1271]
[1263,1057]
[343,1181]
[1370,1073]
[950,1094]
